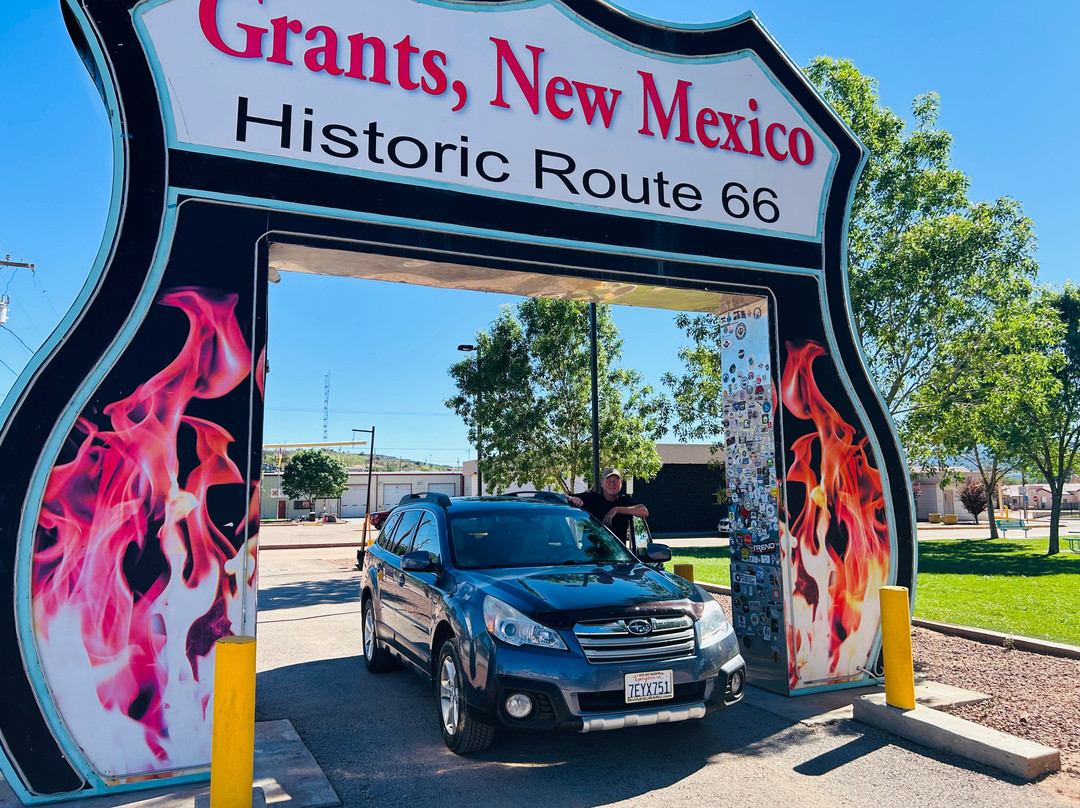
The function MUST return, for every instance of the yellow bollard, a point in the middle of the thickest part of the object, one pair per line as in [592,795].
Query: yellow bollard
[684,571]
[232,754]
[896,647]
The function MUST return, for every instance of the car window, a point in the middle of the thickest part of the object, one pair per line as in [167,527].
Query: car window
[404,533]
[386,537]
[426,536]
[532,537]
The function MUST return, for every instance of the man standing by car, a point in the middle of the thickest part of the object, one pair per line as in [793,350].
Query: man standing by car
[609,505]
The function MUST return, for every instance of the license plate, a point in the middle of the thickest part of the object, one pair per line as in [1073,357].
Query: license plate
[648,686]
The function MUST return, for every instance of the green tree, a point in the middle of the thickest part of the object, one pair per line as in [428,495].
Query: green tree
[1044,427]
[964,413]
[313,475]
[527,397]
[927,267]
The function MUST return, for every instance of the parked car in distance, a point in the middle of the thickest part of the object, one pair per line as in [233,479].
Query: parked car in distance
[529,613]
[378,517]
[723,527]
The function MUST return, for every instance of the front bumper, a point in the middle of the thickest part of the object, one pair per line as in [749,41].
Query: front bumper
[569,692]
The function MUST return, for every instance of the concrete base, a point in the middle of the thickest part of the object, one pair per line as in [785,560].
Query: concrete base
[836,705]
[948,733]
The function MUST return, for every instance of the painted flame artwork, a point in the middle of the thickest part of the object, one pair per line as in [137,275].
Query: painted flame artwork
[839,539]
[132,581]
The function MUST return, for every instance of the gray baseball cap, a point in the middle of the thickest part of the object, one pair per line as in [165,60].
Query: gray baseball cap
[608,472]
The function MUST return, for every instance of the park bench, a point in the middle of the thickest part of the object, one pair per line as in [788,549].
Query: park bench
[1074,543]
[1012,524]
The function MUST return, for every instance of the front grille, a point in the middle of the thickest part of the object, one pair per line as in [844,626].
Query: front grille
[611,642]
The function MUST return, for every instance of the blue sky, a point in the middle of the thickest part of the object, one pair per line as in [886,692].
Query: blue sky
[1006,73]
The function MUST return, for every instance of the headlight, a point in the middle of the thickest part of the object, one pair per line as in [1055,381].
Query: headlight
[712,625]
[509,625]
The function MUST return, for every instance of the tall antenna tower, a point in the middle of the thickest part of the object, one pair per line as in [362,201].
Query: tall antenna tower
[326,407]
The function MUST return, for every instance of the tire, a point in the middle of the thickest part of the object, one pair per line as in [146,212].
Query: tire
[376,658]
[461,732]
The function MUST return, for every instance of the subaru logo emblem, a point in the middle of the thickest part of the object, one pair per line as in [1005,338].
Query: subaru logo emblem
[639,627]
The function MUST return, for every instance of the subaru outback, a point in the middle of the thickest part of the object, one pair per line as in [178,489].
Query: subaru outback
[526,612]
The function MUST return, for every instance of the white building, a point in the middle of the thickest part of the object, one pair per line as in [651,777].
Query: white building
[388,487]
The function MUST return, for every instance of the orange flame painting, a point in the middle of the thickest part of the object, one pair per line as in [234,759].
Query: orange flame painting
[132,580]
[838,539]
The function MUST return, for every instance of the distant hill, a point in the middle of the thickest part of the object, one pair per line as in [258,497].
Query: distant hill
[381,462]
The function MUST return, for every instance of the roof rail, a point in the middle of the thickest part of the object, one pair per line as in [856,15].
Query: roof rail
[543,496]
[439,499]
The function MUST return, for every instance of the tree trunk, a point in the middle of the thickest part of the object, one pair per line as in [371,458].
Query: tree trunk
[990,510]
[1055,516]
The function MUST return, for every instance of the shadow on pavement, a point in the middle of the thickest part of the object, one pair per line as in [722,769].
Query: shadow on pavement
[309,593]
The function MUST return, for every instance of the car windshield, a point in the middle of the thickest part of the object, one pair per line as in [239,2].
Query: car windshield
[532,536]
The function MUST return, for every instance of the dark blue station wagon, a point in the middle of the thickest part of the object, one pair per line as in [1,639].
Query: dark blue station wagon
[526,612]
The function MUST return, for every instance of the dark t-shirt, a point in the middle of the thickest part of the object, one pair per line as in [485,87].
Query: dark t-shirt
[598,505]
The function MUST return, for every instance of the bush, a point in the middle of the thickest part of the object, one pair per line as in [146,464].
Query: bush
[973,497]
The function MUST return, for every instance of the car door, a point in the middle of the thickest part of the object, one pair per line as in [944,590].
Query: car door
[417,592]
[393,543]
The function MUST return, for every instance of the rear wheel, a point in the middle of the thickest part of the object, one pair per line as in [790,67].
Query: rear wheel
[461,732]
[376,658]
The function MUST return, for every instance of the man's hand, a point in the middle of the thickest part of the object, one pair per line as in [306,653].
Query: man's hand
[575,501]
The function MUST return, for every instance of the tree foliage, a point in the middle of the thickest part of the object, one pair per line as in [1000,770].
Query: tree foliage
[527,397]
[964,413]
[1044,426]
[973,497]
[313,475]
[927,267]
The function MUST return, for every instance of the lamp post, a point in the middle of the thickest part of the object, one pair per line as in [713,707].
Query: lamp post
[479,478]
[370,463]
[594,374]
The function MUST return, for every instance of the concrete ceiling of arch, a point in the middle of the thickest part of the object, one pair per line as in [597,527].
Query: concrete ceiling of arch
[348,264]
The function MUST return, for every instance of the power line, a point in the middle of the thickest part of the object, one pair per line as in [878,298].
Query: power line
[447,414]
[29,350]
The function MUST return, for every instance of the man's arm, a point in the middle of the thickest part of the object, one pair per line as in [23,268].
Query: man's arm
[627,510]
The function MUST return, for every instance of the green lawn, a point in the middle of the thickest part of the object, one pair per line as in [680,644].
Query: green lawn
[1006,585]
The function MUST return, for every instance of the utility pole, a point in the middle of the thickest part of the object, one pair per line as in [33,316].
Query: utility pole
[5,300]
[7,262]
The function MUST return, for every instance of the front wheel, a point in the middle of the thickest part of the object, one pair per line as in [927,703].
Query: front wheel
[376,659]
[461,732]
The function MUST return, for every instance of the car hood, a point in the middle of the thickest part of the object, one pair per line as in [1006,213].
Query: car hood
[589,590]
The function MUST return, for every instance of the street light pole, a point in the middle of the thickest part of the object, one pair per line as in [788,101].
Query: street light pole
[479,477]
[594,374]
[370,466]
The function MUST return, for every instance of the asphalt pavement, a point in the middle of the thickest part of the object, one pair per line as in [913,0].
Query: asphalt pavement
[330,733]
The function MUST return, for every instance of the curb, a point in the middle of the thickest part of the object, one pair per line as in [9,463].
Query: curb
[1021,758]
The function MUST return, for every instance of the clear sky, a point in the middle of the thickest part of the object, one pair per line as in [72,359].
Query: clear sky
[1007,73]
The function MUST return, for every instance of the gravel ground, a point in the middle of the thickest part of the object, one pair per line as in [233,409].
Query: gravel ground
[1032,696]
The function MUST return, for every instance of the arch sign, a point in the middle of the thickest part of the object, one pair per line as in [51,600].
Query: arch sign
[561,148]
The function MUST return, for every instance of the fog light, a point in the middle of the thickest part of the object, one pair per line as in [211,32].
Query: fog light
[519,705]
[736,682]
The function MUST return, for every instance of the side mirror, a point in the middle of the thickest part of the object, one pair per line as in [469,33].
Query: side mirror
[657,553]
[420,561]
[640,536]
